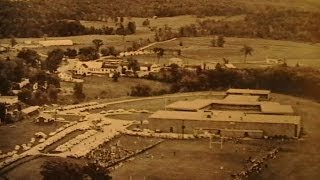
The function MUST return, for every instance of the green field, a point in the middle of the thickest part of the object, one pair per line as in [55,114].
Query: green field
[199,50]
[103,87]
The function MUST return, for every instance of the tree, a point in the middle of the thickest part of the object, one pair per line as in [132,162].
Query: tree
[78,91]
[116,76]
[54,59]
[113,51]
[246,50]
[97,43]
[88,53]
[140,90]
[31,57]
[213,42]
[133,64]
[131,27]
[13,41]
[220,41]
[105,51]
[146,22]
[52,92]
[60,169]
[3,111]
[71,53]
[25,96]
[159,52]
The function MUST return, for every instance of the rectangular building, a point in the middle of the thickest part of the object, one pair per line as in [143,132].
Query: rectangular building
[263,94]
[220,121]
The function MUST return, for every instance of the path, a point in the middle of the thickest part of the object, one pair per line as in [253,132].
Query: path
[152,44]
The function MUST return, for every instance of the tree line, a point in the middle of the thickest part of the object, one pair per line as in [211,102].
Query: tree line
[271,24]
[299,81]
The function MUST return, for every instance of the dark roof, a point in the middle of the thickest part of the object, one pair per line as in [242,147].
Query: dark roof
[110,66]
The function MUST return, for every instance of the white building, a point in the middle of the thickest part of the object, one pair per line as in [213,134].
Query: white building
[88,68]
[61,42]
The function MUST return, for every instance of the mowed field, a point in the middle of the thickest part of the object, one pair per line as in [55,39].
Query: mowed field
[199,50]
[190,159]
[101,87]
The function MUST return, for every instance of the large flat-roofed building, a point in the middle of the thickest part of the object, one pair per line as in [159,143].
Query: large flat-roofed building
[226,122]
[263,94]
[248,104]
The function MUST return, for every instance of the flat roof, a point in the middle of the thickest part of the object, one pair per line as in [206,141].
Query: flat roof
[30,109]
[201,103]
[249,91]
[226,116]
[190,105]
[9,99]
[272,108]
[235,98]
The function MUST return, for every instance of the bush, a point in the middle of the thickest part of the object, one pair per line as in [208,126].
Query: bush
[141,90]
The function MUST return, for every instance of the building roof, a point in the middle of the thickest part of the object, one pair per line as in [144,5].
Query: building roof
[202,103]
[91,64]
[110,66]
[61,42]
[249,91]
[30,109]
[227,116]
[10,100]
[276,109]
[175,60]
[190,105]
[230,66]
[234,98]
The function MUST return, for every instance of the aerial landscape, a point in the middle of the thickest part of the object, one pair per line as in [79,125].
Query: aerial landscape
[159,89]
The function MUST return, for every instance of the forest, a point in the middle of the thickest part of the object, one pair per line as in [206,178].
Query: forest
[299,81]
[36,18]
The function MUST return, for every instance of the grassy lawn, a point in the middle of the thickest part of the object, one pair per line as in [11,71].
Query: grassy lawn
[103,87]
[199,50]
[21,132]
[178,159]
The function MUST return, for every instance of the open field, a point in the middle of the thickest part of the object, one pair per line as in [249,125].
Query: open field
[21,132]
[183,159]
[103,87]
[198,49]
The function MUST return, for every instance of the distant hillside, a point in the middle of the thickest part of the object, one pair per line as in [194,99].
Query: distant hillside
[33,18]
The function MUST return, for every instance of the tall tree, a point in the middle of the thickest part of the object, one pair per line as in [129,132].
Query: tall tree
[97,43]
[88,53]
[159,52]
[78,91]
[13,41]
[31,57]
[133,64]
[131,27]
[246,50]
[54,59]
[220,41]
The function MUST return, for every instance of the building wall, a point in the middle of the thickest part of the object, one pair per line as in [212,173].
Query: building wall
[268,129]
